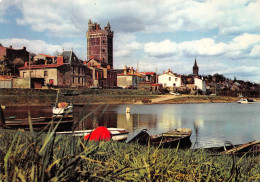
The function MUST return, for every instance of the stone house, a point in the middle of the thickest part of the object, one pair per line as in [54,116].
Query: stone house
[103,75]
[67,71]
[129,78]
[47,75]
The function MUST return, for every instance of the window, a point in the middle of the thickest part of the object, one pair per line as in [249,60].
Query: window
[45,73]
[24,73]
[170,78]
[31,73]
[176,79]
[51,82]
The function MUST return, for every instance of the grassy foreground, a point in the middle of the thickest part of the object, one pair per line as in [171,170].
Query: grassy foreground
[30,156]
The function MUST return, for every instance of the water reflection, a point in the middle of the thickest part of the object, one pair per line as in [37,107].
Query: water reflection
[212,124]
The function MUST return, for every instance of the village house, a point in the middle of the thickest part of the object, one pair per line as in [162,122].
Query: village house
[67,71]
[47,75]
[102,74]
[169,79]
[129,78]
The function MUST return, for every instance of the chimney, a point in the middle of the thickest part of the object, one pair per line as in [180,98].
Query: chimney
[108,66]
[11,46]
[59,60]
[24,48]
[25,64]
[163,71]
[98,66]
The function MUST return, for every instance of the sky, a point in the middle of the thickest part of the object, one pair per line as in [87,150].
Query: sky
[152,35]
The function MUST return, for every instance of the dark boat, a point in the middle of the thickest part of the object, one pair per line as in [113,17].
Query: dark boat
[179,137]
[65,123]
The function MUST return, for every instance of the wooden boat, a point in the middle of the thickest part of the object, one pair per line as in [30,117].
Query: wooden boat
[65,122]
[252,147]
[118,134]
[177,137]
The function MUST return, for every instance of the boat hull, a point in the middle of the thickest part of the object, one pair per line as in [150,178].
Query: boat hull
[176,138]
[118,134]
[40,123]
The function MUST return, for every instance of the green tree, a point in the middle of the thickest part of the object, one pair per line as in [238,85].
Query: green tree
[4,66]
[17,63]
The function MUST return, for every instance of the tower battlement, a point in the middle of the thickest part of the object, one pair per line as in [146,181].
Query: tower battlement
[100,42]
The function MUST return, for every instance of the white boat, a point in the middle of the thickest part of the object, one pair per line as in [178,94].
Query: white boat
[245,101]
[62,108]
[118,134]
[175,93]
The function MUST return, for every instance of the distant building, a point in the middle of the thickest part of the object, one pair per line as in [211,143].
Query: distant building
[195,69]
[67,71]
[44,59]
[150,76]
[79,72]
[100,43]
[44,75]
[102,74]
[169,79]
[129,78]
[200,84]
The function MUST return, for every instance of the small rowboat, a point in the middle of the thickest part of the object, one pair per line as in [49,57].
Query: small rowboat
[177,137]
[118,134]
[65,122]
[252,147]
[63,108]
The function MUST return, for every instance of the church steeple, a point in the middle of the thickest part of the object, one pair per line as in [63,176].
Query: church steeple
[195,69]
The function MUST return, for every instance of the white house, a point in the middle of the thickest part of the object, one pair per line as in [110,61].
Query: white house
[200,84]
[169,79]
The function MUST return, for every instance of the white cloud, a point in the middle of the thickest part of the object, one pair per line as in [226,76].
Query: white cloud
[68,18]
[255,52]
[126,45]
[38,46]
[204,46]
[165,48]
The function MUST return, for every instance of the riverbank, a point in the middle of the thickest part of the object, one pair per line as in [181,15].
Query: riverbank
[33,97]
[29,156]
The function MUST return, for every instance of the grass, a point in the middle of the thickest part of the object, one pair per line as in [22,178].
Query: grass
[34,97]
[31,156]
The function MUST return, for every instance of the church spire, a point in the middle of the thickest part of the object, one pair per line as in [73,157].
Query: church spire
[195,68]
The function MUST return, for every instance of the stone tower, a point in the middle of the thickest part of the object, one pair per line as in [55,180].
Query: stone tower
[195,69]
[100,43]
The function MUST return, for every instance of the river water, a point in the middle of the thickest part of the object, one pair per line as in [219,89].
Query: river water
[211,123]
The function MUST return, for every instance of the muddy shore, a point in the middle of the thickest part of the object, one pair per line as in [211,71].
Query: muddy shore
[31,97]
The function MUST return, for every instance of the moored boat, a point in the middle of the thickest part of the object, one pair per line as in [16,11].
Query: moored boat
[252,147]
[245,101]
[118,134]
[39,123]
[178,137]
[62,108]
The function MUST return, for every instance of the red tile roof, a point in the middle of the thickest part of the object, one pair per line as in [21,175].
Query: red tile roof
[148,73]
